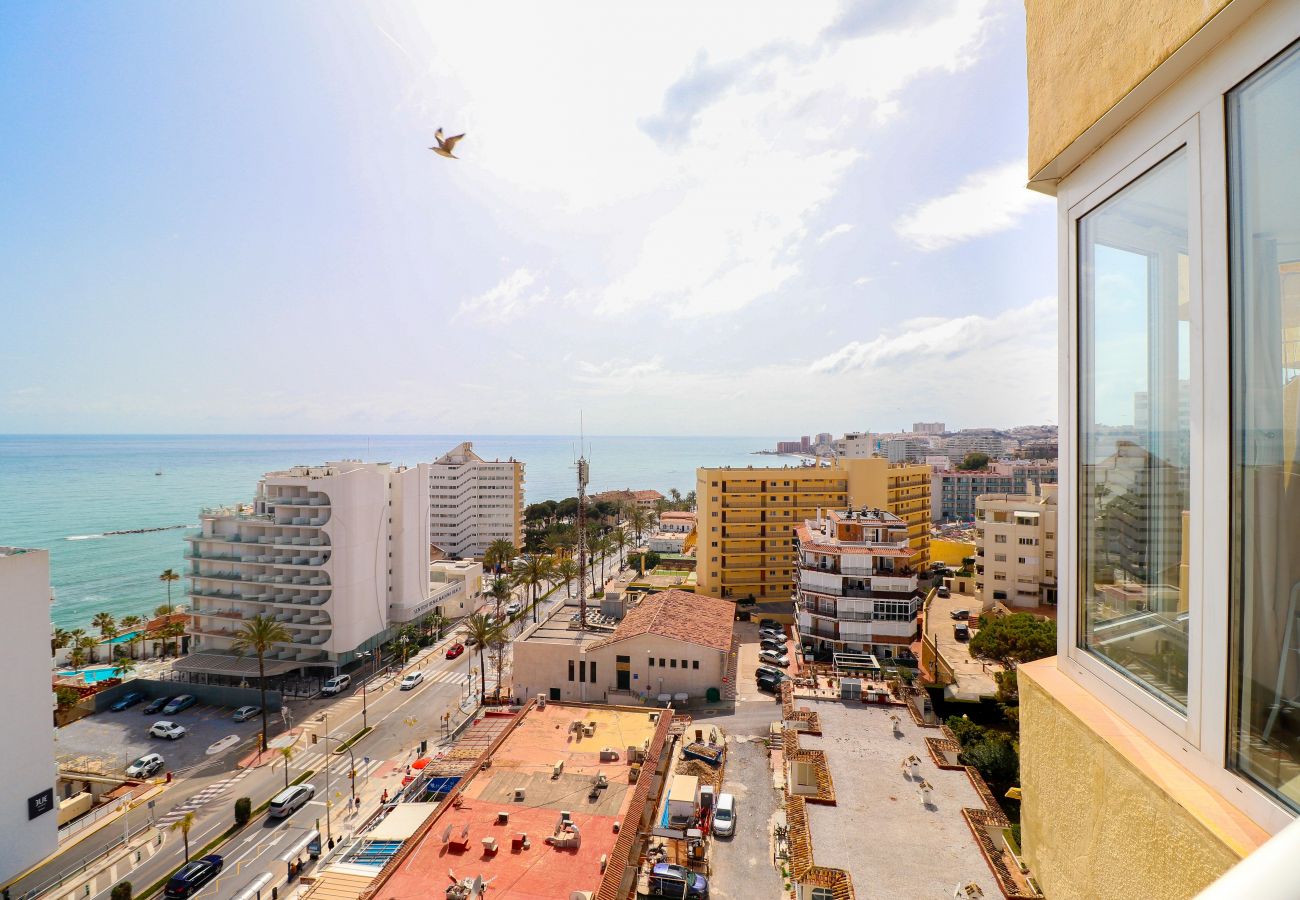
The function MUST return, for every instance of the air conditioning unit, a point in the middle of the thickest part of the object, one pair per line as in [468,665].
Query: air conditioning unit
[541,701]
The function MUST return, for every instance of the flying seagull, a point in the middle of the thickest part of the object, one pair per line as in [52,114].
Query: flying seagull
[445,145]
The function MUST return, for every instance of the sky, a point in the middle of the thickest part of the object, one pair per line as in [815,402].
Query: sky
[677,218]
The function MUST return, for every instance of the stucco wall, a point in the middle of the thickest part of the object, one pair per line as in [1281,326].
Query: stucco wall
[1095,822]
[1085,55]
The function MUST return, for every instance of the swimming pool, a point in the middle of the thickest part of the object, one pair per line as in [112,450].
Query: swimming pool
[92,676]
[123,638]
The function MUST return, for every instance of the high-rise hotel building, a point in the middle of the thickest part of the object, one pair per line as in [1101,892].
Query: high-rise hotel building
[474,501]
[746,519]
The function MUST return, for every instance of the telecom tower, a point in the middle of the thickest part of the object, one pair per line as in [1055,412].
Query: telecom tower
[583,473]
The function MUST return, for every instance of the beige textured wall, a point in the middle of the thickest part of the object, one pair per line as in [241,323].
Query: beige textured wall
[1093,823]
[1085,55]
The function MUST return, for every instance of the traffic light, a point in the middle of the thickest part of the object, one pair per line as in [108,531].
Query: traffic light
[314,738]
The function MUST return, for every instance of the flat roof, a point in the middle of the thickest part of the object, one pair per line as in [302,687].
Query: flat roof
[554,629]
[524,759]
[907,850]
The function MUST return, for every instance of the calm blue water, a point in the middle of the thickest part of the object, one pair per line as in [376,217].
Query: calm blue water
[63,492]
[93,675]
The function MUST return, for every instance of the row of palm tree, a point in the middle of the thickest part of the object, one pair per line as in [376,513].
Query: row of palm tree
[84,645]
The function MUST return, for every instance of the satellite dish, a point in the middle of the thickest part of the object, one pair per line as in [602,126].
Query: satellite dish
[446,836]
[476,889]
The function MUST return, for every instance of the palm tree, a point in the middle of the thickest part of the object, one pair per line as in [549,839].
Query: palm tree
[532,572]
[87,644]
[433,624]
[59,639]
[124,665]
[259,634]
[77,657]
[131,625]
[106,624]
[287,753]
[639,519]
[618,540]
[500,591]
[499,554]
[167,577]
[173,631]
[183,825]
[406,636]
[558,541]
[480,632]
[567,569]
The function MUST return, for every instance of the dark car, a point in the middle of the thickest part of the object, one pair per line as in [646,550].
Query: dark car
[767,684]
[177,704]
[192,876]
[770,672]
[768,623]
[771,644]
[156,705]
[130,698]
[668,880]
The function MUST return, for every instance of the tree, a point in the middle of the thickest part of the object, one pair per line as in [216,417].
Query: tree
[600,547]
[124,665]
[243,810]
[500,590]
[258,635]
[406,636]
[480,632]
[1014,639]
[500,553]
[59,639]
[974,462]
[183,825]
[567,570]
[532,572]
[131,625]
[87,645]
[540,512]
[65,696]
[566,508]
[167,577]
[121,891]
[171,633]
[433,624]
[618,540]
[106,624]
[639,519]
[77,656]
[287,754]
[648,559]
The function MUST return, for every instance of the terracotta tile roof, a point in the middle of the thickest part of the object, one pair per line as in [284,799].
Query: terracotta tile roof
[647,495]
[680,615]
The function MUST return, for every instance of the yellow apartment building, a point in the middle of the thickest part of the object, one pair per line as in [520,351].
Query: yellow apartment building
[746,518]
[1160,747]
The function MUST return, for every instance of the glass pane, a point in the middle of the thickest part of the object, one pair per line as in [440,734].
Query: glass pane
[1134,430]
[1264,218]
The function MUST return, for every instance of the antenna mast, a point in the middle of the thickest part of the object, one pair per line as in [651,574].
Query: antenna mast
[583,473]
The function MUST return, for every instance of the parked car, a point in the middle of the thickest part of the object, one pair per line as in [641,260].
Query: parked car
[772,657]
[771,671]
[513,608]
[724,816]
[129,699]
[179,704]
[767,684]
[153,707]
[336,685]
[963,614]
[961,631]
[412,680]
[455,650]
[145,765]
[768,623]
[193,876]
[290,800]
[244,713]
[169,730]
[944,592]
[771,644]
[666,880]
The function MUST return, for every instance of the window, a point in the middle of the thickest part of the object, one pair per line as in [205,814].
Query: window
[1264,304]
[1134,428]
[570,670]
[591,670]
[582,671]
[662,665]
[683,664]
[652,662]
[674,663]
[695,664]
[999,538]
[999,557]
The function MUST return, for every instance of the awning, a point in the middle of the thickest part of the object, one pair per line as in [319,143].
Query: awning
[251,890]
[298,847]
[227,664]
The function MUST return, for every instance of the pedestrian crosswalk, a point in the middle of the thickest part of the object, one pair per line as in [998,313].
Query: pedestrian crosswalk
[211,792]
[339,763]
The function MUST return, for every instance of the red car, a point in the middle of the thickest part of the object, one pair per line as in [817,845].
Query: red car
[455,650]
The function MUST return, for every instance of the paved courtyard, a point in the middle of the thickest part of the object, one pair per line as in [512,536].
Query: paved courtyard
[975,679]
[742,865]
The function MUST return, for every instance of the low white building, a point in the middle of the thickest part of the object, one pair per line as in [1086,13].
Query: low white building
[474,501]
[673,642]
[1015,548]
[328,551]
[27,806]
[855,591]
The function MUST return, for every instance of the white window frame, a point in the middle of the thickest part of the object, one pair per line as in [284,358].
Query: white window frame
[1188,110]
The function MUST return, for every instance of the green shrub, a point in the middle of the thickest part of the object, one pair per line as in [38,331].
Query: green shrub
[243,810]
[121,891]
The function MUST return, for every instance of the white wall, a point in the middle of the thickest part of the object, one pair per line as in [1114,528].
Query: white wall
[29,755]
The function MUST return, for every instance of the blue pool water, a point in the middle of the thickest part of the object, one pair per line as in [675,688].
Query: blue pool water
[93,675]
[123,638]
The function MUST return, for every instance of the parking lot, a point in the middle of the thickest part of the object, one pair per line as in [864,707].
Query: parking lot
[110,741]
[747,661]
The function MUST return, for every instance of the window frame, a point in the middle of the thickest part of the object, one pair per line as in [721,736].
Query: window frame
[1190,101]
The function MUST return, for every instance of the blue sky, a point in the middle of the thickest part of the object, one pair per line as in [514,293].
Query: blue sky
[746,218]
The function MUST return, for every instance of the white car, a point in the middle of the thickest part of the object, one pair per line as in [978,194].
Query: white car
[145,765]
[724,816]
[336,685]
[169,730]
[771,657]
[513,608]
[412,680]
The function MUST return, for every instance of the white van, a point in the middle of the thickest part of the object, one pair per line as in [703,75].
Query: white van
[724,816]
[335,685]
[290,800]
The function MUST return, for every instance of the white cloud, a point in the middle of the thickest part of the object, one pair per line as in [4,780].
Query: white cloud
[842,228]
[512,296]
[865,279]
[985,203]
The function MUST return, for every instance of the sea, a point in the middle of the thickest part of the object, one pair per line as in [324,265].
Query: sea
[66,493]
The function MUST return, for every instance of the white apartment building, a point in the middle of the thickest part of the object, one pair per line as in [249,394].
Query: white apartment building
[929,427]
[855,445]
[474,501]
[28,818]
[854,591]
[1015,548]
[334,552]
